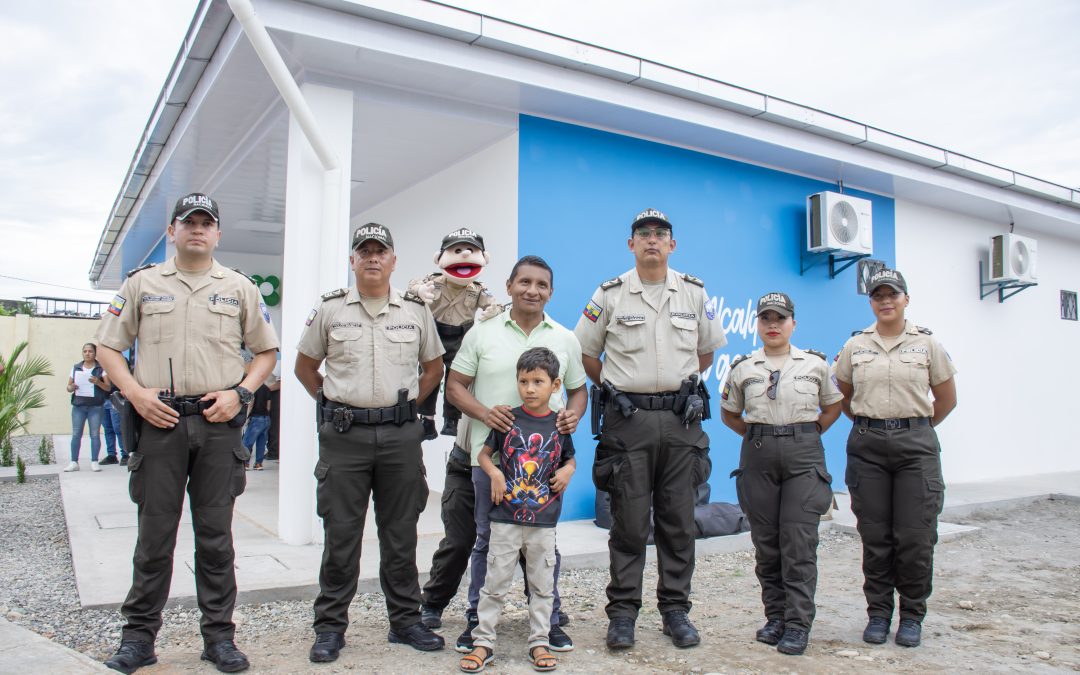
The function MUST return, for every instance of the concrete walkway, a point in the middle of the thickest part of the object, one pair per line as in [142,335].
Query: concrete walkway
[102,530]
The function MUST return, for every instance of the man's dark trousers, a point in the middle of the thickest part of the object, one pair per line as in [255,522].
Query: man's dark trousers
[384,462]
[209,460]
[451,559]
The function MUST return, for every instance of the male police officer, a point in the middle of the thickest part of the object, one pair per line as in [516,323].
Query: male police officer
[372,338]
[190,316]
[656,329]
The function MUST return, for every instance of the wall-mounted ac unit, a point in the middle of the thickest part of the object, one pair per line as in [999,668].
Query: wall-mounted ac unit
[1013,258]
[836,222]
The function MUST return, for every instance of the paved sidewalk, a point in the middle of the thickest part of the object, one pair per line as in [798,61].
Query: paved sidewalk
[24,651]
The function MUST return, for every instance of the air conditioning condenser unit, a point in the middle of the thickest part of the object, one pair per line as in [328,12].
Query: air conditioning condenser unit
[838,222]
[1013,258]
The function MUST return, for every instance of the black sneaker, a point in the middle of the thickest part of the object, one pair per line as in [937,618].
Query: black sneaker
[417,636]
[771,632]
[464,643]
[132,655]
[677,625]
[431,617]
[109,459]
[327,647]
[909,633]
[620,633]
[559,641]
[876,631]
[123,461]
[428,425]
[564,618]
[449,427]
[794,641]
[226,656]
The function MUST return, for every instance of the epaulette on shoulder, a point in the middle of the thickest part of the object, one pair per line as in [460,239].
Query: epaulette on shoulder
[693,280]
[237,270]
[925,331]
[816,353]
[413,297]
[337,293]
[857,332]
[140,269]
[739,359]
[611,283]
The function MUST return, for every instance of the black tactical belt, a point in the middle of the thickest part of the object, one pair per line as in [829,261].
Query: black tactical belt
[782,429]
[897,423]
[661,401]
[186,406]
[393,414]
[447,331]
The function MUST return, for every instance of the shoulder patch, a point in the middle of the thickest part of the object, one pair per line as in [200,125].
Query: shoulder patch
[739,359]
[413,297]
[237,270]
[611,283]
[925,331]
[140,269]
[820,355]
[693,280]
[337,293]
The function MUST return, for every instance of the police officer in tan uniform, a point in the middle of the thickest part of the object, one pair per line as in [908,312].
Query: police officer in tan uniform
[885,372]
[789,400]
[372,338]
[189,315]
[655,328]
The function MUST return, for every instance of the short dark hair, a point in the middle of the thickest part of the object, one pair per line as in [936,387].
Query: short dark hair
[539,358]
[535,261]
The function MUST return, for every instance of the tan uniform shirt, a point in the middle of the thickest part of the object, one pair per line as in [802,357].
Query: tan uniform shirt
[805,386]
[893,383]
[649,349]
[368,359]
[455,305]
[200,329]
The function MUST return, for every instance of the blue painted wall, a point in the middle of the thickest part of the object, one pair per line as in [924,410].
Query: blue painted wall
[737,226]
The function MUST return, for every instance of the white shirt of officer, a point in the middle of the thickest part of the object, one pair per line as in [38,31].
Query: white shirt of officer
[649,349]
[805,386]
[369,358]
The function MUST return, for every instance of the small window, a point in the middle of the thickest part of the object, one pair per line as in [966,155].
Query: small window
[1068,305]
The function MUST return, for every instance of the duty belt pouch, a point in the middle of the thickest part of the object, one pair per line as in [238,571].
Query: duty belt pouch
[241,417]
[342,419]
[130,422]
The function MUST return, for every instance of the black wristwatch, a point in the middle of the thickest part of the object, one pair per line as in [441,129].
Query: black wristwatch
[245,395]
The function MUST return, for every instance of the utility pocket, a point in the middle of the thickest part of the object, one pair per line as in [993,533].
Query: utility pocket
[607,466]
[737,474]
[819,493]
[685,334]
[225,326]
[701,467]
[933,499]
[156,325]
[627,335]
[404,348]
[322,507]
[136,490]
[239,481]
[344,344]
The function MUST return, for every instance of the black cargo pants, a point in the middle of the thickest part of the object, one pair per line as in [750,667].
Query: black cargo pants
[451,337]
[897,493]
[650,459]
[451,559]
[384,462]
[208,459]
[784,489]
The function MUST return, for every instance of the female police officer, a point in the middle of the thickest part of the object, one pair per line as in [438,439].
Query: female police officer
[781,480]
[894,462]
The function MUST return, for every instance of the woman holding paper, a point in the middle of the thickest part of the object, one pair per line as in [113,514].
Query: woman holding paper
[89,386]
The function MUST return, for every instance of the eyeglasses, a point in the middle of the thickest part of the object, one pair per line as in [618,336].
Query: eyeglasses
[658,232]
[774,383]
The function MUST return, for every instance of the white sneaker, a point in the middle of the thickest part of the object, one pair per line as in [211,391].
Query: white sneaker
[74,466]
[94,466]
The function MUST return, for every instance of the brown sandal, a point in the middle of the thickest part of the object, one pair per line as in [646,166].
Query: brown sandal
[476,660]
[541,658]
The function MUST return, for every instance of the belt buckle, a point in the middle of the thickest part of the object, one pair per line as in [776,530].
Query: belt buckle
[782,430]
[892,424]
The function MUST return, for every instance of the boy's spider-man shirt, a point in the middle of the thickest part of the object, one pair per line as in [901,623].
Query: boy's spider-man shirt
[528,456]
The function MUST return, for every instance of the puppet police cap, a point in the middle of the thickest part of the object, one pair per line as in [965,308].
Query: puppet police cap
[650,216]
[776,302]
[372,232]
[886,277]
[196,201]
[462,236]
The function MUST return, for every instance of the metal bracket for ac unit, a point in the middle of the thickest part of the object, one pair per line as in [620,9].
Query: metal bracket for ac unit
[818,258]
[1000,286]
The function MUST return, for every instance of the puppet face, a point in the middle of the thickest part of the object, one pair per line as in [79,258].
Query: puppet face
[462,263]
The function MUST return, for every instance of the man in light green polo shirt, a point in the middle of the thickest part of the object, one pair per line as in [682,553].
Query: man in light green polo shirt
[483,385]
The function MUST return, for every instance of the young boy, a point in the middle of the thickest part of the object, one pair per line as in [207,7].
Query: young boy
[535,464]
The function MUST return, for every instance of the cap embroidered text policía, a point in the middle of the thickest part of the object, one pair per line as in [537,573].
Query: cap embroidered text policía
[196,201]
[886,277]
[462,236]
[374,232]
[776,302]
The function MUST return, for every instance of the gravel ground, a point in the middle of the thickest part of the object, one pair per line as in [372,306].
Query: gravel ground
[1006,600]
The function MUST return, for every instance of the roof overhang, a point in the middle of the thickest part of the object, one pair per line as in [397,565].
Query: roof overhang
[220,126]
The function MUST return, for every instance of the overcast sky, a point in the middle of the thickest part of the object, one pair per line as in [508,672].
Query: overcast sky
[998,80]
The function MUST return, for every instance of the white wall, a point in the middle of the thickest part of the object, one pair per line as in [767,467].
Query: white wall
[1017,374]
[253,264]
[479,192]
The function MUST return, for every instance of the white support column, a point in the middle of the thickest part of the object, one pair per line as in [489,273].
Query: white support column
[315,261]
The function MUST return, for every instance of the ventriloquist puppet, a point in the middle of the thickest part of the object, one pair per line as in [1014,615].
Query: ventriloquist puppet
[455,295]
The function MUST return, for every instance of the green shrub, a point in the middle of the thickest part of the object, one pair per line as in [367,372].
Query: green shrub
[20,470]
